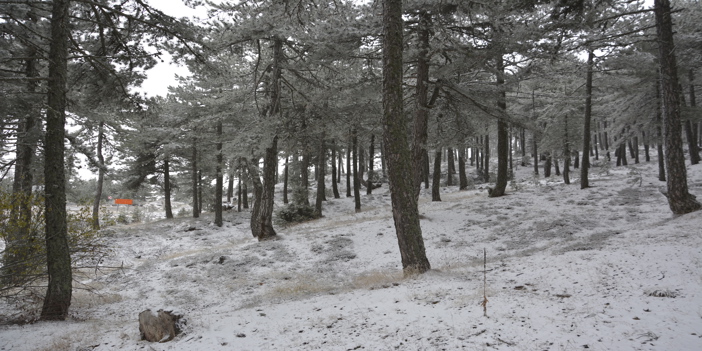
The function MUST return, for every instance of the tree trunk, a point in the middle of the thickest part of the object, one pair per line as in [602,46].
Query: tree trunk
[335,188]
[694,135]
[502,136]
[421,120]
[462,178]
[21,242]
[285,180]
[348,166]
[238,194]
[425,167]
[167,187]
[451,168]
[267,194]
[219,182]
[585,168]
[547,166]
[536,156]
[321,187]
[557,166]
[371,159]
[101,177]
[196,210]
[679,198]
[59,291]
[304,190]
[254,174]
[486,161]
[356,179]
[436,179]
[199,191]
[399,158]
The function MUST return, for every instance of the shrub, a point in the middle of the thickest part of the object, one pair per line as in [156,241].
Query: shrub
[296,213]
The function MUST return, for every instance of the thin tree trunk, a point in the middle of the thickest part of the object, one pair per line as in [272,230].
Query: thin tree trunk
[425,166]
[230,184]
[547,166]
[21,242]
[399,157]
[196,210]
[101,177]
[502,136]
[436,179]
[321,187]
[199,191]
[285,180]
[371,159]
[219,181]
[167,187]
[462,178]
[348,166]
[59,291]
[304,190]
[486,161]
[238,194]
[356,179]
[585,168]
[451,169]
[536,156]
[679,198]
[556,166]
[335,188]
[421,120]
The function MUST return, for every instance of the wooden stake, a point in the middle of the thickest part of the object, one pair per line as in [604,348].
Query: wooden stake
[485,300]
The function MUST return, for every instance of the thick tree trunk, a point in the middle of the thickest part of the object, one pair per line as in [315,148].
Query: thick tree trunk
[335,188]
[585,168]
[557,166]
[267,195]
[356,178]
[436,179]
[679,198]
[502,136]
[547,166]
[399,158]
[167,187]
[371,159]
[101,176]
[59,291]
[219,182]
[254,174]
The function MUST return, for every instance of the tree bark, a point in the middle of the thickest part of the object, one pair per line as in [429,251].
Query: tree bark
[371,159]
[321,187]
[348,166]
[167,187]
[679,198]
[486,161]
[399,158]
[462,178]
[59,291]
[585,167]
[451,168]
[285,180]
[219,182]
[196,210]
[356,178]
[101,176]
[436,179]
[335,188]
[421,120]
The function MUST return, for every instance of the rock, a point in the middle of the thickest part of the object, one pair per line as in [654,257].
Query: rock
[161,326]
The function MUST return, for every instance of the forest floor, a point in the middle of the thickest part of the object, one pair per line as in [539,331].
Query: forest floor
[605,268]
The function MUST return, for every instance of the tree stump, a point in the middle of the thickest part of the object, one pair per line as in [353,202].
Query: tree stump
[161,326]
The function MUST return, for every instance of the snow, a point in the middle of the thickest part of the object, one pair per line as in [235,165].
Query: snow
[605,268]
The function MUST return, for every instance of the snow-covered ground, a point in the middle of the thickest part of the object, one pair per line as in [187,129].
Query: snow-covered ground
[606,268]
